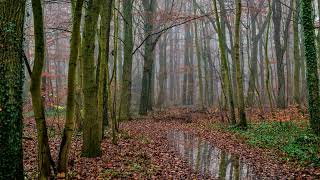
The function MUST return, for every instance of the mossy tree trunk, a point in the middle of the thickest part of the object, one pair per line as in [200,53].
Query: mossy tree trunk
[11,88]
[236,49]
[106,16]
[113,110]
[44,156]
[125,101]
[225,70]
[311,65]
[70,120]
[91,131]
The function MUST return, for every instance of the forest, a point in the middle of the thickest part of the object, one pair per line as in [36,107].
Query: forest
[167,89]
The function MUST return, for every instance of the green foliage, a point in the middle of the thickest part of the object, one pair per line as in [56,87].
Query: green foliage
[305,148]
[295,140]
[311,64]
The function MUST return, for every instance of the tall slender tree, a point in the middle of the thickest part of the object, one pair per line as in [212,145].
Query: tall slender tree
[296,51]
[44,155]
[280,48]
[236,49]
[198,52]
[224,64]
[73,60]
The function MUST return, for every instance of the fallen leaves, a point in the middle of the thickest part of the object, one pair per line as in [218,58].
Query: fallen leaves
[143,151]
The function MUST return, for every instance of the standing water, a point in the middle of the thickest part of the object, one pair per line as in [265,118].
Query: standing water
[207,159]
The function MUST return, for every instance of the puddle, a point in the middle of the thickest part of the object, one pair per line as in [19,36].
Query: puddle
[207,159]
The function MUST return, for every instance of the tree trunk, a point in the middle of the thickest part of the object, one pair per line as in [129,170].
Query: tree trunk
[225,69]
[106,16]
[190,87]
[44,156]
[125,101]
[69,123]
[198,52]
[145,99]
[91,130]
[253,62]
[162,71]
[279,48]
[186,67]
[11,89]
[311,62]
[296,52]
[236,49]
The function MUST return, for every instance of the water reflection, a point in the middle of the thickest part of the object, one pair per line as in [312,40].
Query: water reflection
[207,159]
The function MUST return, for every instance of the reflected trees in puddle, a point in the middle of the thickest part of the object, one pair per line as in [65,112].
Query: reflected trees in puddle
[207,159]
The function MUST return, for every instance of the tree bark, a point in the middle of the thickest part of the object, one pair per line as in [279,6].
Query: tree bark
[225,69]
[11,89]
[311,62]
[69,123]
[125,101]
[44,156]
[296,52]
[91,131]
[236,49]
[145,98]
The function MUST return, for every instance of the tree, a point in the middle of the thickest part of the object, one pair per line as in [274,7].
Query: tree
[127,64]
[145,100]
[311,65]
[296,51]
[106,16]
[91,131]
[255,37]
[236,49]
[198,52]
[70,120]
[162,71]
[44,155]
[11,83]
[112,105]
[280,48]
[224,68]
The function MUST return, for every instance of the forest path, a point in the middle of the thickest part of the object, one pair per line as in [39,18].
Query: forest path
[172,144]
[193,136]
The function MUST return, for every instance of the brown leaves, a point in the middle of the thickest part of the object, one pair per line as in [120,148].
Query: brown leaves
[143,151]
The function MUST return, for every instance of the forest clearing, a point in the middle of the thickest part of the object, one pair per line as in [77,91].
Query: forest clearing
[159,89]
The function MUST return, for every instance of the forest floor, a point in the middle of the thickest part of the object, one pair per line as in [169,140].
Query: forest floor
[145,149]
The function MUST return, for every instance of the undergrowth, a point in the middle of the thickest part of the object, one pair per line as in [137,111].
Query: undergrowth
[295,140]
